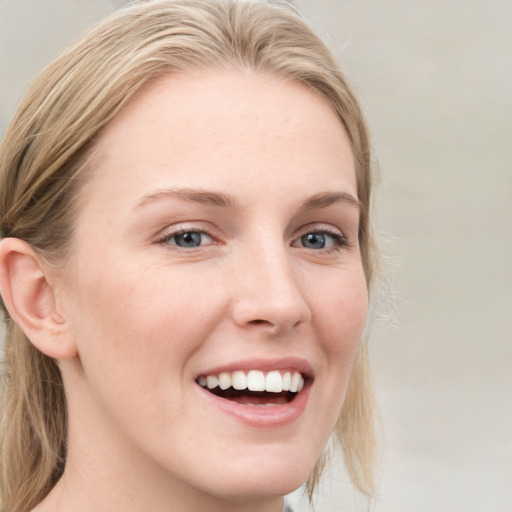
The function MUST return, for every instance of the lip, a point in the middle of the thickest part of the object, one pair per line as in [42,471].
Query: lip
[262,417]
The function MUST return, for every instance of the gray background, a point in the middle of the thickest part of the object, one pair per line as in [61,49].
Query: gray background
[436,80]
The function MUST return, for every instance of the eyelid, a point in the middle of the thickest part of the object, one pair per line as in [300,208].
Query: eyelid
[339,238]
[320,227]
[184,227]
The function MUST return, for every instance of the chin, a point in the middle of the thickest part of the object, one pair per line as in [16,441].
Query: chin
[263,478]
[256,488]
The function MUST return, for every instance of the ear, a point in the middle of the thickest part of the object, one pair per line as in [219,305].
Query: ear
[28,295]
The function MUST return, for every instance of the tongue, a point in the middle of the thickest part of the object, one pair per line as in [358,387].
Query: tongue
[260,400]
[254,397]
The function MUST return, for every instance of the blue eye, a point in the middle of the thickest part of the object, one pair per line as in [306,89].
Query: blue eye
[313,240]
[321,240]
[189,239]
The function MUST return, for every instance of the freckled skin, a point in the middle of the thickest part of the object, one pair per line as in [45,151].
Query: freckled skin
[148,316]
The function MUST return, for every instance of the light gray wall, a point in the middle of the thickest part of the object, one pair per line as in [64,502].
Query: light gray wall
[436,79]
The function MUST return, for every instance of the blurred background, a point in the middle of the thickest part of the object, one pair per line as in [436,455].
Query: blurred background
[435,78]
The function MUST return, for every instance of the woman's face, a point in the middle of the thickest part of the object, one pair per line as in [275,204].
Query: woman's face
[216,240]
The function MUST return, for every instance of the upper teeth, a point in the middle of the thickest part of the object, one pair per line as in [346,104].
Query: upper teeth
[254,380]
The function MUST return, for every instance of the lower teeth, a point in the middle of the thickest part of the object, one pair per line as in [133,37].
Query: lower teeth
[262,405]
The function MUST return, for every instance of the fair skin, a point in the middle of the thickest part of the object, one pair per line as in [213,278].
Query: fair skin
[216,233]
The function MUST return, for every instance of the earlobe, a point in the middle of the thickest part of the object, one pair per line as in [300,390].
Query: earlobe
[29,297]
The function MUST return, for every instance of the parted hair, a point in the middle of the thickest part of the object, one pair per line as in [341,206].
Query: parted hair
[47,147]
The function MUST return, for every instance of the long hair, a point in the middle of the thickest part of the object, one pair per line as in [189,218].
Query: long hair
[46,149]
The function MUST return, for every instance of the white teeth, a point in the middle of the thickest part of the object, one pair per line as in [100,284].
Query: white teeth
[239,380]
[224,380]
[274,382]
[212,381]
[294,384]
[254,380]
[287,378]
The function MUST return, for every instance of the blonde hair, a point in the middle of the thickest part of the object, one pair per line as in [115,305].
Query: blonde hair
[46,148]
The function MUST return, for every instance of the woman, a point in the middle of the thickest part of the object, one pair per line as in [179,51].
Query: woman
[185,266]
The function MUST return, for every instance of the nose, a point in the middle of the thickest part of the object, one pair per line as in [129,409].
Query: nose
[268,292]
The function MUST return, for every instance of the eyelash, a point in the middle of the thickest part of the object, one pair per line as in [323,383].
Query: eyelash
[338,240]
[167,237]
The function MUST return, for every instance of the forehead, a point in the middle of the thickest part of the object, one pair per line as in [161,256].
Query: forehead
[224,127]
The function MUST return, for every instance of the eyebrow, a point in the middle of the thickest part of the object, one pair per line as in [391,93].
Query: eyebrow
[325,199]
[219,199]
[194,195]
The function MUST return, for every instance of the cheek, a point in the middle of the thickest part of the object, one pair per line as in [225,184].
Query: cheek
[340,318]
[140,322]
[135,337]
[340,310]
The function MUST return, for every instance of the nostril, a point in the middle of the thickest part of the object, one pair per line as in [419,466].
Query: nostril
[259,321]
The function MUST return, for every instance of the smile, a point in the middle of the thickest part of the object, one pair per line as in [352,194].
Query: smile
[262,393]
[254,387]
[254,380]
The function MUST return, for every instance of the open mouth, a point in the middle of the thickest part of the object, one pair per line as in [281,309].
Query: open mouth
[254,387]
